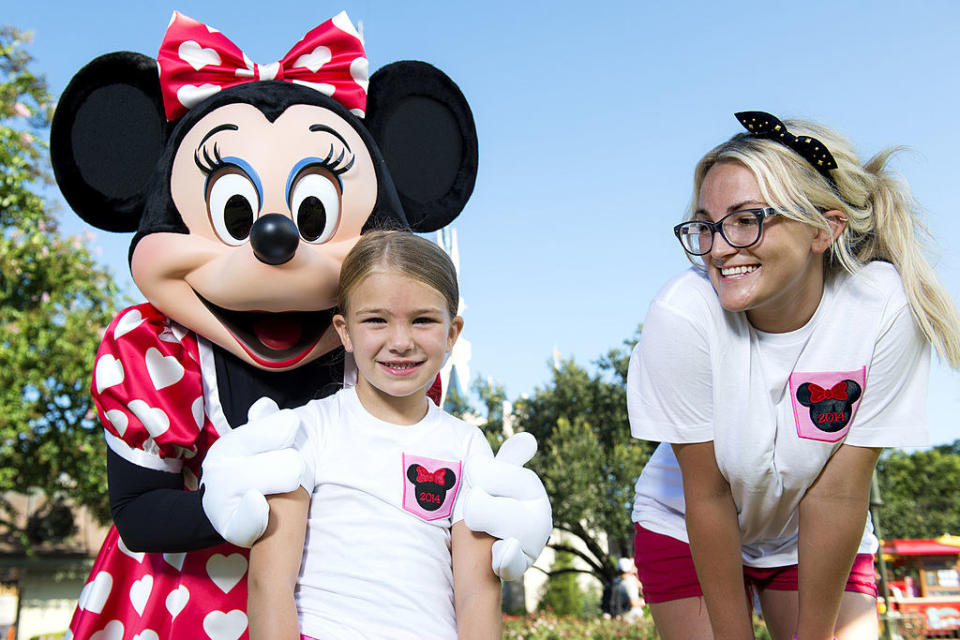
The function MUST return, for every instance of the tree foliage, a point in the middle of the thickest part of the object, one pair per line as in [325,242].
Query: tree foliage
[587,459]
[54,298]
[920,492]
[561,593]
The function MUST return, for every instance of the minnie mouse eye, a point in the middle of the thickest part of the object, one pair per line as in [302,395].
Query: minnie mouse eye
[232,204]
[315,202]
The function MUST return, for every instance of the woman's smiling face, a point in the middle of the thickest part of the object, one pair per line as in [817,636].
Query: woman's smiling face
[778,281]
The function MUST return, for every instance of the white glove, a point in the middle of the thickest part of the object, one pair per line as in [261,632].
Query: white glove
[510,503]
[245,465]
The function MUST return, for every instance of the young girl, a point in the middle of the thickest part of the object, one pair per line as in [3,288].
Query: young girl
[372,545]
[773,374]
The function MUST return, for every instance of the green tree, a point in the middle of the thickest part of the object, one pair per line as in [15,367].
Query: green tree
[561,593]
[588,461]
[494,398]
[54,298]
[920,492]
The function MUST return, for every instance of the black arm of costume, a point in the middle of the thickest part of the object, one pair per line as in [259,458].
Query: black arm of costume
[153,512]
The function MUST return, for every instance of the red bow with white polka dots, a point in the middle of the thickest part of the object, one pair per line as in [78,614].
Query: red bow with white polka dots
[197,61]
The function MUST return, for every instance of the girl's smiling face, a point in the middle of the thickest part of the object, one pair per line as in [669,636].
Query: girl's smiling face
[778,281]
[399,331]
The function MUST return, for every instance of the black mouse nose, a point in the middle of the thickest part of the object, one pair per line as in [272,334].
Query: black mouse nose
[274,238]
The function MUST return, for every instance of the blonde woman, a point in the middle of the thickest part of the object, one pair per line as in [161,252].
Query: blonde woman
[774,373]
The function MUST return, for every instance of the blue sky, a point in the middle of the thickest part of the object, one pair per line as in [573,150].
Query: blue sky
[591,117]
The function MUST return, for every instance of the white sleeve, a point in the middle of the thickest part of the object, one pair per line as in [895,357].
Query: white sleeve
[477,445]
[670,381]
[893,410]
[308,443]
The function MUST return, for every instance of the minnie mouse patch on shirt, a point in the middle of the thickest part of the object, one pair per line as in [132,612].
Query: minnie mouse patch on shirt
[824,403]
[430,486]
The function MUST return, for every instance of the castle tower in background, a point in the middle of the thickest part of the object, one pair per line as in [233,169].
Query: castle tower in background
[455,373]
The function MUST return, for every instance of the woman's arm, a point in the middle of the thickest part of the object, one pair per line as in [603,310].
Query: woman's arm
[714,540]
[274,567]
[476,590]
[832,516]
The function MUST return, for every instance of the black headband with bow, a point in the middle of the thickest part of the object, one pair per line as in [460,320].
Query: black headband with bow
[764,125]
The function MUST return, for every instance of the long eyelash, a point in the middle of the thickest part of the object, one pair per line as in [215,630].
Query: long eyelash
[333,166]
[208,165]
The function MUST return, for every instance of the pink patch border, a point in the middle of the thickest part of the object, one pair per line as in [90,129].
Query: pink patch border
[824,379]
[445,510]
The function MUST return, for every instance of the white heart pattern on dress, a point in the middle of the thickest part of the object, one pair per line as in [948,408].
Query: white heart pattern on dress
[95,593]
[147,634]
[140,592]
[113,631]
[196,56]
[315,59]
[127,323]
[136,555]
[226,571]
[109,371]
[197,409]
[225,626]
[118,419]
[175,560]
[164,370]
[177,600]
[154,420]
[190,96]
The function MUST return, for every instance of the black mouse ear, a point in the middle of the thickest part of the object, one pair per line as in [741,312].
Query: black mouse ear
[449,478]
[803,394]
[425,131]
[853,391]
[412,473]
[107,133]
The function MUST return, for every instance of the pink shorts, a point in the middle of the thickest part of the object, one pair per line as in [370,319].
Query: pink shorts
[665,569]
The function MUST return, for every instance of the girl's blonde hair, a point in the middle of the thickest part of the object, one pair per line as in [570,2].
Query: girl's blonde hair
[404,252]
[883,219]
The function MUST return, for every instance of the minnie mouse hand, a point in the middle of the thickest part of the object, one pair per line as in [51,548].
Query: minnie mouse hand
[247,464]
[509,502]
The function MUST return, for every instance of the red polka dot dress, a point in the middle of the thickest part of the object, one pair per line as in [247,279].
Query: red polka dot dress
[152,399]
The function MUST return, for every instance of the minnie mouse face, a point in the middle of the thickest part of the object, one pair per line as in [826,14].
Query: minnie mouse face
[431,487]
[272,208]
[830,409]
[246,204]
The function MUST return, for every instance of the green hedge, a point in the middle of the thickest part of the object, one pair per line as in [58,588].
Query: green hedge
[544,625]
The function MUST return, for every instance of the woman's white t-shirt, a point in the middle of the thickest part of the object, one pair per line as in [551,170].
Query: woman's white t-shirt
[776,406]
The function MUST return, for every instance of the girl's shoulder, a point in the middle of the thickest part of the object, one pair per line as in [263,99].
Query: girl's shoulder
[468,435]
[322,411]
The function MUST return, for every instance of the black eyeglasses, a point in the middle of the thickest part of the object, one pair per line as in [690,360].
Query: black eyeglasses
[740,229]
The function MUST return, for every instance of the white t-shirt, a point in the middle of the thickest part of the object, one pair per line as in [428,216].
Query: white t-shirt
[776,406]
[376,562]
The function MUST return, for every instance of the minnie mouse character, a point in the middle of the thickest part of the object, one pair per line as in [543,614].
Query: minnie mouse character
[246,185]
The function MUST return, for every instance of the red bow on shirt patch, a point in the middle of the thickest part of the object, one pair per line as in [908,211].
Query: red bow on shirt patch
[425,476]
[836,392]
